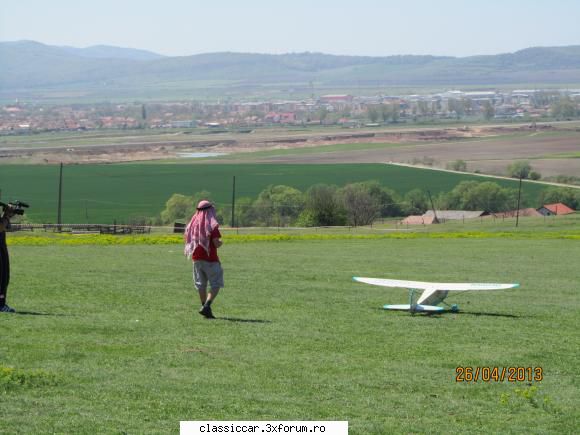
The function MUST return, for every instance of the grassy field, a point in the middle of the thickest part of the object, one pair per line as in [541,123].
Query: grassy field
[108,339]
[104,193]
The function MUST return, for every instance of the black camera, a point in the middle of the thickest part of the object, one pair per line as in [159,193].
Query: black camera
[17,207]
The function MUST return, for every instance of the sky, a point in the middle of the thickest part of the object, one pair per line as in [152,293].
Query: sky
[362,27]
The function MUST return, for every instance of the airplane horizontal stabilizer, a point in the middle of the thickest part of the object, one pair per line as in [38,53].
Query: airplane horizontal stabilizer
[416,308]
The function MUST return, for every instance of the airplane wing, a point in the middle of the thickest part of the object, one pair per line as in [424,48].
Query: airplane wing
[420,285]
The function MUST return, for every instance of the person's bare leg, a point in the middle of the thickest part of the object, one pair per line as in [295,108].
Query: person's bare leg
[212,295]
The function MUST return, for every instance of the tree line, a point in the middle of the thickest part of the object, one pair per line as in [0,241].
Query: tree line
[355,204]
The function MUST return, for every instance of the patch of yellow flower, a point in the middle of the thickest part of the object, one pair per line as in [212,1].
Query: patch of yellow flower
[98,239]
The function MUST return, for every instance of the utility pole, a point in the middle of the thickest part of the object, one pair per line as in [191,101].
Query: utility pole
[519,196]
[233,201]
[59,215]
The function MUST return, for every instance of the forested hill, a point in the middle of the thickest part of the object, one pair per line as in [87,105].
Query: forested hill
[29,65]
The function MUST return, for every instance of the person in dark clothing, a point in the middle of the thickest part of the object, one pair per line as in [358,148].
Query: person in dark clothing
[4,260]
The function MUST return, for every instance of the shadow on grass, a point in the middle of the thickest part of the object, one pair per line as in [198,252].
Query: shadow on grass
[36,313]
[235,319]
[447,313]
[474,313]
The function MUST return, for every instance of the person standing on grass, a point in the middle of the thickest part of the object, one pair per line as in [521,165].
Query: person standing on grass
[202,240]
[4,261]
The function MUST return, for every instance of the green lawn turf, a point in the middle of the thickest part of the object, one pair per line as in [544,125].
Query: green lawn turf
[105,193]
[121,349]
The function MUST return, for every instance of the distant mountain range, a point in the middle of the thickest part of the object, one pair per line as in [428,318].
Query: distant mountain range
[28,65]
[110,52]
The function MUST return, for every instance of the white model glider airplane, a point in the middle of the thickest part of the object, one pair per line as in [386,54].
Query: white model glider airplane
[433,294]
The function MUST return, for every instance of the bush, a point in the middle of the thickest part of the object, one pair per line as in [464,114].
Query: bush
[457,165]
[324,205]
[535,175]
[519,169]
[361,207]
[471,195]
[416,202]
[278,205]
[178,207]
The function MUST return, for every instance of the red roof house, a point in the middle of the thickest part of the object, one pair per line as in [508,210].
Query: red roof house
[558,208]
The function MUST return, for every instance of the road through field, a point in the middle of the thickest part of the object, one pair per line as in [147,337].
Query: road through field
[498,177]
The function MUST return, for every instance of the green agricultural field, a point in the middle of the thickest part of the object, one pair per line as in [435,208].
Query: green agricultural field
[107,339]
[105,193]
[72,139]
[244,156]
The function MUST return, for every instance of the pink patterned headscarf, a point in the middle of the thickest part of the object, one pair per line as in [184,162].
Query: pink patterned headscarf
[199,229]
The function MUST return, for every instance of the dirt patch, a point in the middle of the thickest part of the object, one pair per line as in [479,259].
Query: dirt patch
[489,154]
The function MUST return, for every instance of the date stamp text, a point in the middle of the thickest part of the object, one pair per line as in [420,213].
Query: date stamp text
[499,374]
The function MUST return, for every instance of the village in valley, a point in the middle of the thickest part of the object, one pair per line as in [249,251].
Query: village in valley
[334,109]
